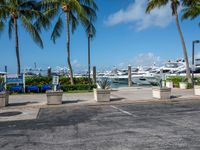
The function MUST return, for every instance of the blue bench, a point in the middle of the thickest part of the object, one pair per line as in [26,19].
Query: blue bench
[17,88]
[45,88]
[32,88]
[1,88]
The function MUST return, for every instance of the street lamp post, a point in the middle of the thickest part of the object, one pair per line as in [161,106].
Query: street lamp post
[193,51]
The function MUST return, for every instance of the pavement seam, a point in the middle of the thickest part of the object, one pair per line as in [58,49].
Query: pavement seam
[123,111]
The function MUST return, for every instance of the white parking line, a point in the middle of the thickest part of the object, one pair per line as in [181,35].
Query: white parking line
[123,111]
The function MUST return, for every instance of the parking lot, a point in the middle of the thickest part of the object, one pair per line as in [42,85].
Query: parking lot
[159,125]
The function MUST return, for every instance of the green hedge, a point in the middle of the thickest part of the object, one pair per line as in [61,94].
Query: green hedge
[176,80]
[1,80]
[38,80]
[80,87]
[81,83]
[197,81]
[46,80]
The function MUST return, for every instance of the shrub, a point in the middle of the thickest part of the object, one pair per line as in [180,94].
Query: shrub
[190,86]
[1,79]
[38,80]
[176,80]
[77,87]
[104,84]
[81,80]
[46,80]
[64,80]
[197,81]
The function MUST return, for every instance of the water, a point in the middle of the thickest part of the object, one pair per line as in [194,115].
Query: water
[120,85]
[115,85]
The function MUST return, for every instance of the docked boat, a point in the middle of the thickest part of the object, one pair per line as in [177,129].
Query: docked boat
[139,76]
[2,74]
[172,67]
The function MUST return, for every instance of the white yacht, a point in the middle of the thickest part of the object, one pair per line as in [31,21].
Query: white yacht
[139,77]
[172,67]
[2,74]
[144,76]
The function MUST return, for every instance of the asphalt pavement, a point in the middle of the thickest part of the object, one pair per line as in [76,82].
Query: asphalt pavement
[155,126]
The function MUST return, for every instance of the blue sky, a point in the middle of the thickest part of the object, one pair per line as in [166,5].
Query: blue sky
[125,35]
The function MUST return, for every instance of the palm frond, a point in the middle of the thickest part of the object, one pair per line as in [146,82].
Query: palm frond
[31,29]
[4,12]
[90,13]
[27,4]
[10,28]
[174,6]
[57,30]
[76,7]
[2,25]
[155,3]
[191,9]
[89,3]
[73,21]
[91,30]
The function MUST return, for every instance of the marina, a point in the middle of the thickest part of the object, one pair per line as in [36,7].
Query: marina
[99,75]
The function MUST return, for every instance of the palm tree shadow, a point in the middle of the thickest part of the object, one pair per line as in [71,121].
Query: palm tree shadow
[71,101]
[117,99]
[22,104]
[175,96]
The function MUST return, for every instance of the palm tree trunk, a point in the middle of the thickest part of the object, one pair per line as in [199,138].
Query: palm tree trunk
[68,49]
[17,47]
[89,58]
[184,49]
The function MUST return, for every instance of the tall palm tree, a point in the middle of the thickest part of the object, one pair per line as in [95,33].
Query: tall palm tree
[174,6]
[191,9]
[24,12]
[91,31]
[75,12]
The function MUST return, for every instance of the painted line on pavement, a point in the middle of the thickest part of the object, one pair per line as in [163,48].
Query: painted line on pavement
[123,111]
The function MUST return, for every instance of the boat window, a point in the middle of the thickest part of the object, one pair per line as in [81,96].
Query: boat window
[171,65]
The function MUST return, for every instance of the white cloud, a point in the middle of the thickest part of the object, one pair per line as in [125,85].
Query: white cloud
[76,64]
[135,14]
[146,59]
[143,59]
[78,67]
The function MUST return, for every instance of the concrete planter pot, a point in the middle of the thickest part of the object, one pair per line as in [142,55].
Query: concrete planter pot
[169,84]
[161,93]
[197,90]
[54,97]
[101,95]
[183,85]
[4,99]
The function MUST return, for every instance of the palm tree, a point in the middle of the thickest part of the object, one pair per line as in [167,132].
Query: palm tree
[91,32]
[75,11]
[191,9]
[25,12]
[174,6]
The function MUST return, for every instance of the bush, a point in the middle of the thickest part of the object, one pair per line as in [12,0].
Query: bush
[190,86]
[64,80]
[82,80]
[81,83]
[46,80]
[197,81]
[78,87]
[176,80]
[1,81]
[38,80]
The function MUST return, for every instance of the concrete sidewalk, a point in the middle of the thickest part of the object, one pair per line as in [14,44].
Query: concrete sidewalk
[29,105]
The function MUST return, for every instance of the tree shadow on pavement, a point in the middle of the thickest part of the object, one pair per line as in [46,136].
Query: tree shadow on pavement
[22,104]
